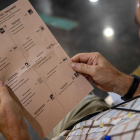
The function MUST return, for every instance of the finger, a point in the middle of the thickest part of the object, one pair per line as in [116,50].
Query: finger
[1,84]
[82,68]
[81,57]
[4,91]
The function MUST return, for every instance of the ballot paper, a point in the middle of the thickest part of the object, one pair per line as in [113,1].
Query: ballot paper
[36,69]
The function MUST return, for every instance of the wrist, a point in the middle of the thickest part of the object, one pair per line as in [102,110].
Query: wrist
[122,84]
[16,133]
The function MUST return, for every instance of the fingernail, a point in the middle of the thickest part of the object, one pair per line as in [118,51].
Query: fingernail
[1,84]
[74,66]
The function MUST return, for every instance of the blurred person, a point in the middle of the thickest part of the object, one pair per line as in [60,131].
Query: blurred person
[119,122]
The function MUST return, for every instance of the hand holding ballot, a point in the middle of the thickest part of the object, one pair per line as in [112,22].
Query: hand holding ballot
[101,73]
[12,124]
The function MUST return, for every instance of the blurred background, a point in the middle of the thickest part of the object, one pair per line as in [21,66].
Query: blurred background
[105,26]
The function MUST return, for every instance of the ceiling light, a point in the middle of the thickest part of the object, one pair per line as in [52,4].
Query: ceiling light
[93,0]
[108,32]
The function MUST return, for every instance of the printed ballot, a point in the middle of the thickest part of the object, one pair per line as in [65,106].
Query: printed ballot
[36,69]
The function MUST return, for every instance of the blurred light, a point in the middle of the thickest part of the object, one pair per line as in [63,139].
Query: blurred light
[138,5]
[93,0]
[108,32]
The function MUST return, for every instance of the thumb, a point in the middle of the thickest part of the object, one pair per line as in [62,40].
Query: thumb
[82,68]
[4,91]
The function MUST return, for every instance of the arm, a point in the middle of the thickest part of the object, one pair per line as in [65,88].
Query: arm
[101,73]
[12,124]
[123,84]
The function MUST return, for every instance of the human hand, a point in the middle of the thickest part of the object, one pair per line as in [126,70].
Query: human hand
[12,124]
[101,73]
